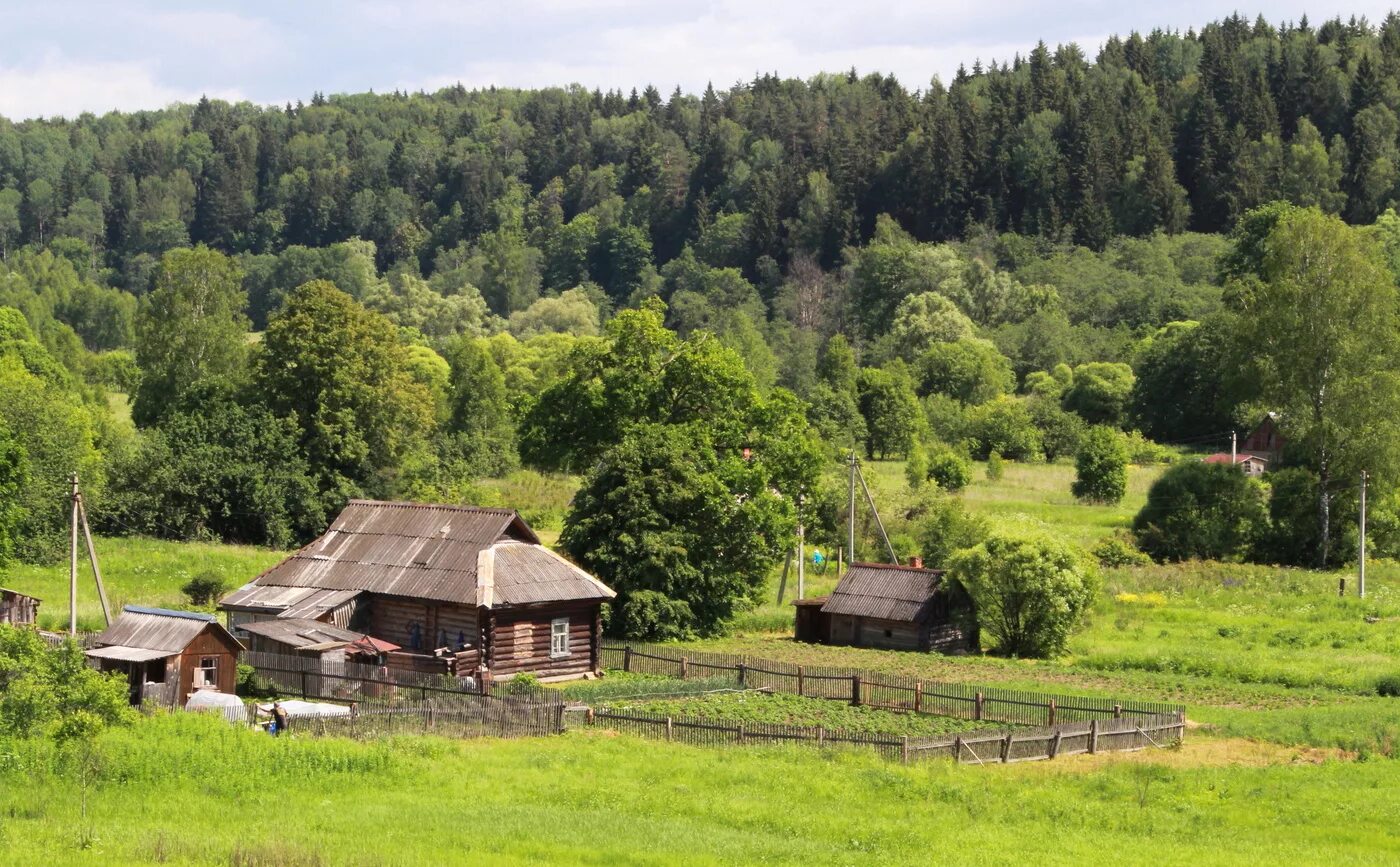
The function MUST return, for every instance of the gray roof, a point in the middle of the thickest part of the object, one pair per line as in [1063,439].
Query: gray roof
[157,629]
[308,602]
[440,553]
[299,632]
[5,591]
[885,592]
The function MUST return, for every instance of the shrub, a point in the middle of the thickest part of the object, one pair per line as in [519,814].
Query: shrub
[916,465]
[524,683]
[1200,510]
[651,616]
[204,588]
[949,469]
[1388,685]
[1101,467]
[1100,392]
[1004,425]
[1142,450]
[1031,590]
[1117,551]
[942,526]
[1060,431]
[996,467]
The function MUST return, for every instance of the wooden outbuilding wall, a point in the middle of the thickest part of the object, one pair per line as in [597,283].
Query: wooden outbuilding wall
[520,640]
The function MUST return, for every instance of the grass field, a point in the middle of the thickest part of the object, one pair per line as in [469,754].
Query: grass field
[189,790]
[135,571]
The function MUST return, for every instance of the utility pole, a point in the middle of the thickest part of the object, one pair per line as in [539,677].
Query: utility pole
[801,555]
[73,557]
[894,558]
[79,514]
[1233,437]
[1361,547]
[851,513]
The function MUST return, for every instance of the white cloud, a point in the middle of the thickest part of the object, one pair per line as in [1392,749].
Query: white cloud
[60,87]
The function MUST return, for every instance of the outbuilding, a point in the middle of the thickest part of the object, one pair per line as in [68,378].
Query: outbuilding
[896,607]
[18,609]
[161,650]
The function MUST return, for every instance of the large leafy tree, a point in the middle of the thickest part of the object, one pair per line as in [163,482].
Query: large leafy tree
[191,327]
[342,375]
[681,526]
[1317,325]
[1201,511]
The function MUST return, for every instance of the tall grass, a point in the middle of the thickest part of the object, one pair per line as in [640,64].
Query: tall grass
[194,791]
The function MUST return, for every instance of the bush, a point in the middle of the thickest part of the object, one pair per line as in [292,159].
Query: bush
[1200,510]
[942,526]
[1118,550]
[1388,685]
[1100,392]
[1004,425]
[204,588]
[1060,431]
[949,470]
[916,465]
[996,467]
[1031,590]
[524,683]
[1101,467]
[1142,450]
[647,615]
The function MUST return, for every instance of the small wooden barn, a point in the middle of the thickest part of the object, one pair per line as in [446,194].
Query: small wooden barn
[184,651]
[18,609]
[896,607]
[1265,441]
[457,588]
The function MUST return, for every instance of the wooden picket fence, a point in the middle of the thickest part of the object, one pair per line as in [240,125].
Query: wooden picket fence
[978,747]
[888,691]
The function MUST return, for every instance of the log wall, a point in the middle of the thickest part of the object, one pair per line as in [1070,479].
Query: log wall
[520,641]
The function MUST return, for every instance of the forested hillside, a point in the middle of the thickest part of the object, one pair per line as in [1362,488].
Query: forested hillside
[403,294]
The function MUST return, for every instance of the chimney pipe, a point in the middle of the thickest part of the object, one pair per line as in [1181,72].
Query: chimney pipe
[916,562]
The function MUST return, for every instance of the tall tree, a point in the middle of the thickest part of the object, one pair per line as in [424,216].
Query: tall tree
[191,327]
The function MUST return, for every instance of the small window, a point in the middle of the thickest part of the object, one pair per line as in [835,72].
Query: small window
[559,637]
[207,675]
[889,633]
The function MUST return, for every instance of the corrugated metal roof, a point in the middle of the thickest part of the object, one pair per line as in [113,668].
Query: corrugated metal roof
[318,603]
[299,632]
[5,591]
[422,552]
[885,592]
[156,629]
[532,573]
[128,654]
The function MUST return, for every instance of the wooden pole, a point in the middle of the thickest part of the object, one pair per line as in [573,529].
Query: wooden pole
[782,582]
[855,689]
[92,558]
[851,512]
[894,558]
[73,559]
[977,706]
[1361,545]
[1093,736]
[801,555]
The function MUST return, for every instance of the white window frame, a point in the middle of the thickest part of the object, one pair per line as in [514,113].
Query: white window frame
[559,638]
[207,676]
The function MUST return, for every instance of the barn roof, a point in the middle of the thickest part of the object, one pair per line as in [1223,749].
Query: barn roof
[462,554]
[153,629]
[885,592]
[5,591]
[300,632]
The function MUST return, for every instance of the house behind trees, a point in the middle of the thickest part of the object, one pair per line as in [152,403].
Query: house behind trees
[18,609]
[456,588]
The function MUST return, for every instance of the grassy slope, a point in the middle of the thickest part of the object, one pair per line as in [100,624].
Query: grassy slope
[183,790]
[136,571]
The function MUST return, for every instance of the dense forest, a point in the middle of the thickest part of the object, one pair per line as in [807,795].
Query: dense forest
[402,294]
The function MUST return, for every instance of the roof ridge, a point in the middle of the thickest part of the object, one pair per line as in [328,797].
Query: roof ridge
[169,612]
[410,504]
[893,566]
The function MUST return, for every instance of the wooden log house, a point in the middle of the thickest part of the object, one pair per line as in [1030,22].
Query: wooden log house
[183,650]
[18,609]
[458,588]
[895,607]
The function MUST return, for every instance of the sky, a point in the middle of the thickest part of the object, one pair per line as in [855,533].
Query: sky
[64,57]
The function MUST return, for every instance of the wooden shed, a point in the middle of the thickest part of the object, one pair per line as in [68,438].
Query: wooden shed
[896,607]
[18,609]
[162,650]
[458,588]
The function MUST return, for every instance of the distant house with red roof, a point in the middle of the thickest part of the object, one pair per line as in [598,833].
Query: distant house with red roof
[1253,465]
[1265,441]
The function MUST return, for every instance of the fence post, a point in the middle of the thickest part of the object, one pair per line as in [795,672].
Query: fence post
[1052,712]
[669,732]
[977,706]
[428,720]
[303,685]
[957,748]
[590,716]
[627,658]
[918,696]
[743,670]
[1006,748]
[685,667]
[799,680]
[821,736]
[904,750]
[741,733]
[1117,711]
[1055,745]
[1093,736]
[1181,725]
[855,690]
